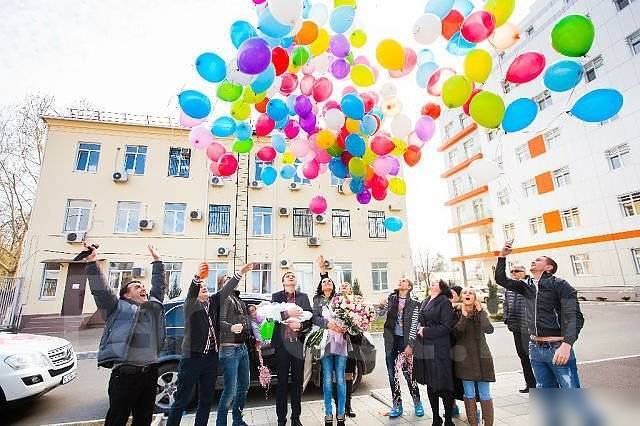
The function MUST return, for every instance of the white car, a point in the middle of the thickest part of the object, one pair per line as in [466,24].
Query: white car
[31,364]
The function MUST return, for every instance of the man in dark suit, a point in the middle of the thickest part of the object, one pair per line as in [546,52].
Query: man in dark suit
[288,340]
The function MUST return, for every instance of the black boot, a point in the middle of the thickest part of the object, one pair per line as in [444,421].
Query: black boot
[340,421]
[347,406]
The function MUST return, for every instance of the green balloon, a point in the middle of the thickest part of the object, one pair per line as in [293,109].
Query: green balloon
[300,56]
[335,150]
[242,147]
[350,58]
[456,90]
[357,167]
[487,109]
[573,35]
[228,91]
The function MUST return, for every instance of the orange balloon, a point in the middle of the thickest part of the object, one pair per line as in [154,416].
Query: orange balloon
[203,270]
[368,172]
[451,24]
[432,110]
[308,33]
[412,155]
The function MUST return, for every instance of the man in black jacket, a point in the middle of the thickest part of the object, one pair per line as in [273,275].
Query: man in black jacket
[288,341]
[553,317]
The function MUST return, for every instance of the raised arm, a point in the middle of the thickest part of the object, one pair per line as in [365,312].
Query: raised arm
[158,283]
[102,293]
[232,283]
[506,282]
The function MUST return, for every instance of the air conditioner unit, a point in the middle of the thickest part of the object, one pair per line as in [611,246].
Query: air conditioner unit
[283,211]
[138,272]
[223,251]
[395,207]
[145,224]
[256,184]
[120,176]
[320,218]
[294,186]
[340,188]
[75,237]
[285,264]
[195,214]
[216,181]
[313,241]
[328,264]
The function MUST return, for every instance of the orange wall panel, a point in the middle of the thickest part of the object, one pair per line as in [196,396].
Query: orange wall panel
[544,182]
[552,221]
[536,146]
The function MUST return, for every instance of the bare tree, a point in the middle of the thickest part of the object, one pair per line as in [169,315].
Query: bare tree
[426,263]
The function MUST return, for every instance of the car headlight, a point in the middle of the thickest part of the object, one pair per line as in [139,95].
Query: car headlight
[25,360]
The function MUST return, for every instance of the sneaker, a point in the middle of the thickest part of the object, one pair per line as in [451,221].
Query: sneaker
[455,412]
[395,412]
[419,409]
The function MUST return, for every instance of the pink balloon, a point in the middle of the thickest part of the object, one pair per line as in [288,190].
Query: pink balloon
[306,85]
[526,67]
[478,26]
[425,128]
[382,145]
[264,125]
[200,137]
[227,164]
[323,157]
[437,80]
[330,105]
[414,140]
[214,151]
[308,68]
[214,168]
[349,89]
[189,122]
[382,166]
[289,84]
[322,89]
[292,129]
[318,204]
[410,61]
[266,153]
[299,148]
[311,169]
[362,60]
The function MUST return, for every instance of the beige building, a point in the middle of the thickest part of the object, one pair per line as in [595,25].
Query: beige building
[124,181]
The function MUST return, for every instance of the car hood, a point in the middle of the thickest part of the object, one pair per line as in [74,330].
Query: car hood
[11,343]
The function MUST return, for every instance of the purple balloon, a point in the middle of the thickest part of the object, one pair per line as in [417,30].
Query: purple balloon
[364,197]
[254,56]
[308,123]
[340,68]
[395,166]
[339,46]
[425,128]
[303,106]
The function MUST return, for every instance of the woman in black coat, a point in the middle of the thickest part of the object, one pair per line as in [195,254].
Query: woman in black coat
[433,365]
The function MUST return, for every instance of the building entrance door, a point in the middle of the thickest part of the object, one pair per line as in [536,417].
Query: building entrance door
[74,290]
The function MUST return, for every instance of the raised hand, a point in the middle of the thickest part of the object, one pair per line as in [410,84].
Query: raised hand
[154,252]
[246,268]
[506,250]
[320,263]
[94,253]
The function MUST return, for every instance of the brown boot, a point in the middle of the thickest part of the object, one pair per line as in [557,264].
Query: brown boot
[470,409]
[487,412]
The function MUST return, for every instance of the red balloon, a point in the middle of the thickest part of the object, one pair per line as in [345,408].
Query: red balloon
[264,125]
[412,155]
[379,194]
[266,153]
[382,145]
[379,182]
[432,110]
[291,129]
[369,101]
[346,156]
[280,60]
[262,105]
[322,89]
[227,164]
[342,137]
[465,107]
[526,67]
[478,26]
[451,24]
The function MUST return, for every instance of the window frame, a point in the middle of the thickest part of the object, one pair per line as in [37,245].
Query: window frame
[635,255]
[214,273]
[619,7]
[82,210]
[262,215]
[561,177]
[136,156]
[181,160]
[509,231]
[340,272]
[136,222]
[592,66]
[503,197]
[302,222]
[634,203]
[529,185]
[522,153]
[165,231]
[570,218]
[264,276]
[633,41]
[477,205]
[89,151]
[377,269]
[297,179]
[259,166]
[305,276]
[222,211]
[338,221]
[122,273]
[551,138]
[49,274]
[536,225]
[543,99]
[376,218]
[171,272]
[622,152]
[584,260]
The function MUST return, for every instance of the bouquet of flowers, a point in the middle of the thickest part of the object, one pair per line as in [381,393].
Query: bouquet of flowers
[352,313]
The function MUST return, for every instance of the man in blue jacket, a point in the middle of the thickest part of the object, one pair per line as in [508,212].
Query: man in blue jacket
[133,335]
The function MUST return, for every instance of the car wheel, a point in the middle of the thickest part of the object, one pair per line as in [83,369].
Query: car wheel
[167,386]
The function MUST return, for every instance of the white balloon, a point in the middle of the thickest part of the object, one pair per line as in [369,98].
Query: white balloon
[391,107]
[483,171]
[401,126]
[334,119]
[319,14]
[321,64]
[388,90]
[234,75]
[427,28]
[296,27]
[286,11]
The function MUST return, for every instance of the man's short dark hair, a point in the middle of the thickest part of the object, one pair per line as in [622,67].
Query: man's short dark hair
[125,288]
[286,273]
[554,265]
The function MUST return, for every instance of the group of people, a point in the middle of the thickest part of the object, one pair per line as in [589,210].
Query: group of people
[439,342]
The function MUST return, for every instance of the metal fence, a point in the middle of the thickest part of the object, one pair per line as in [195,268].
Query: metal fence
[9,302]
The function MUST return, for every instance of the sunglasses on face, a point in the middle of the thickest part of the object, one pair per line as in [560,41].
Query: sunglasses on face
[513,271]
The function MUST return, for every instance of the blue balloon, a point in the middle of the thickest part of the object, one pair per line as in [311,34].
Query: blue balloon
[241,31]
[287,171]
[356,185]
[355,145]
[282,123]
[211,67]
[286,42]
[278,143]
[519,115]
[277,109]
[440,8]
[458,46]
[393,224]
[368,125]
[268,175]
[463,6]
[268,25]
[264,80]
[195,104]
[338,168]
[563,75]
[223,127]
[342,18]
[598,105]
[424,72]
[291,104]
[352,106]
[378,113]
[243,131]
[426,55]
[306,9]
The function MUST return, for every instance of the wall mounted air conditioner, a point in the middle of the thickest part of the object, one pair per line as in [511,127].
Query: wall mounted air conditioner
[320,218]
[340,188]
[216,181]
[145,224]
[285,264]
[294,186]
[75,237]
[395,207]
[120,176]
[313,241]
[283,211]
[256,184]
[328,264]
[223,251]
[195,214]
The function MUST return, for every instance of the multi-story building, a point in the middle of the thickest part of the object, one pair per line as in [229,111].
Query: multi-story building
[568,189]
[125,181]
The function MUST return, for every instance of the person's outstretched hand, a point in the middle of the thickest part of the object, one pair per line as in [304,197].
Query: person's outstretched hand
[154,252]
[94,253]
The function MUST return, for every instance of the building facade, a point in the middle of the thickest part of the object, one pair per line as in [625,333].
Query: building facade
[124,182]
[568,189]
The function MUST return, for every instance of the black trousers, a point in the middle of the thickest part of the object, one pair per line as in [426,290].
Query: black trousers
[522,348]
[131,393]
[201,372]
[289,357]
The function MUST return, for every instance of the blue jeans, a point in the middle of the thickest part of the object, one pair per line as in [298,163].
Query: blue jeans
[191,372]
[235,363]
[334,364]
[470,390]
[549,375]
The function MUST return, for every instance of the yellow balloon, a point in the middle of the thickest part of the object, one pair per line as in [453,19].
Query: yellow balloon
[369,156]
[321,44]
[288,158]
[358,38]
[501,10]
[477,65]
[456,90]
[505,36]
[390,55]
[240,110]
[397,186]
[362,76]
[293,69]
[250,97]
[338,3]
[324,139]
[356,167]
[401,147]
[353,126]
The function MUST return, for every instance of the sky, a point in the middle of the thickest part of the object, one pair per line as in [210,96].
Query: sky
[136,56]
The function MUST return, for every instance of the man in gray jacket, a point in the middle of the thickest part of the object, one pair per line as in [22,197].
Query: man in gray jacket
[133,335]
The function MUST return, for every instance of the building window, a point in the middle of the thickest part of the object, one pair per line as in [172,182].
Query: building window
[302,223]
[379,276]
[503,196]
[219,219]
[50,280]
[172,275]
[509,231]
[120,273]
[135,159]
[179,162]
[591,67]
[561,177]
[530,31]
[522,153]
[529,187]
[376,225]
[262,219]
[630,203]
[88,157]
[261,278]
[448,130]
[452,157]
[618,156]
[461,214]
[174,218]
[304,275]
[551,138]
[341,223]
[634,42]
[336,181]
[465,120]
[260,165]
[581,264]
[621,4]
[470,148]
[127,217]
[506,86]
[543,100]
[635,253]
[216,269]
[536,225]
[76,215]
[298,179]
[570,218]
[457,186]
[343,272]
[478,208]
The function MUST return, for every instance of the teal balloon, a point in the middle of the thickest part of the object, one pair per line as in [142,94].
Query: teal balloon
[352,106]
[342,19]
[287,171]
[465,7]
[223,127]
[338,168]
[211,67]
[264,80]
[355,145]
[424,72]
[356,185]
[306,9]
[519,115]
[195,104]
[368,125]
[281,124]
[268,175]
[563,75]
[393,224]
[277,109]
[278,143]
[598,105]
[268,25]
[243,131]
[291,104]
[440,8]
[425,55]
[458,46]
[286,42]
[241,31]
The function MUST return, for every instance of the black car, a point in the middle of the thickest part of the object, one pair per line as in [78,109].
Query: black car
[172,353]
